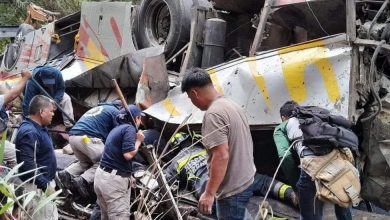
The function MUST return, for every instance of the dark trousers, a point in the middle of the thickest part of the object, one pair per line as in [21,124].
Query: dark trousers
[234,207]
[312,208]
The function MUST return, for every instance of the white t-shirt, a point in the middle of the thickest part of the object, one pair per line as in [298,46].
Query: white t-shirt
[294,132]
[1,101]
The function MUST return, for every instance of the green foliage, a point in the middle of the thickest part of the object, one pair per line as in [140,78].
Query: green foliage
[3,43]
[7,189]
[2,145]
[15,13]
[10,15]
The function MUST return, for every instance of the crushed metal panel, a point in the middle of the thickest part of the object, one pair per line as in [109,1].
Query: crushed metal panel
[8,31]
[126,69]
[313,73]
[105,30]
[153,86]
[34,51]
[78,67]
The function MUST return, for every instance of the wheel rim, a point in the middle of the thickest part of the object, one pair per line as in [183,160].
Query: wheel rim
[158,22]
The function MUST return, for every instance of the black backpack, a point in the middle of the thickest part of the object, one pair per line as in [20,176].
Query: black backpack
[323,131]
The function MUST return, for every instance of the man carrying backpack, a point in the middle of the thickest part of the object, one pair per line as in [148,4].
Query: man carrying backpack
[289,132]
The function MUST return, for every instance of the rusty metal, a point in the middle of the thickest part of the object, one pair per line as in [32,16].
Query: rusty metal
[153,86]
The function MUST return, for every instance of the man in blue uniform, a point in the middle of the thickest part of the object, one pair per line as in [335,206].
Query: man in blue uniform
[35,149]
[87,138]
[112,179]
[52,81]
[34,145]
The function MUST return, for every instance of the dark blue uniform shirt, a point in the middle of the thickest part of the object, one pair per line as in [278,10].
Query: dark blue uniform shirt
[97,122]
[120,140]
[50,79]
[35,148]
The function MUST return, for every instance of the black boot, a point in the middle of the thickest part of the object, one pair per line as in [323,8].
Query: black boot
[81,186]
[64,180]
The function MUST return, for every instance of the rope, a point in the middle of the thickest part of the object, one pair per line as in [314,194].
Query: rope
[261,215]
[318,22]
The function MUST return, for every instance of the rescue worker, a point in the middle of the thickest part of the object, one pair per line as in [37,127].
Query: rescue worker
[52,81]
[227,138]
[7,97]
[87,138]
[35,149]
[112,179]
[288,131]
[189,168]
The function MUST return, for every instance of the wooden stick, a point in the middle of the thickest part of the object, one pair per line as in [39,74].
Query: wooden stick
[123,100]
[152,159]
[260,28]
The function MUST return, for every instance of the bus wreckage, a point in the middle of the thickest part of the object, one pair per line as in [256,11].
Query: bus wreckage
[332,54]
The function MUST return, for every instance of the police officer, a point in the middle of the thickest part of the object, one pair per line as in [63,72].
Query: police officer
[87,138]
[112,178]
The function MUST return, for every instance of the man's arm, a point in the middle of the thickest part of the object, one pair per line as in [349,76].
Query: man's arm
[214,131]
[130,155]
[15,92]
[218,166]
[217,171]
[289,167]
[30,91]
[27,145]
[131,142]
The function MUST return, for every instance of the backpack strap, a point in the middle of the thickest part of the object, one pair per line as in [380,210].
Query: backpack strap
[353,194]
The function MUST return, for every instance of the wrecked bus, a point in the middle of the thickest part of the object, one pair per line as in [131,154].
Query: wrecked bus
[332,54]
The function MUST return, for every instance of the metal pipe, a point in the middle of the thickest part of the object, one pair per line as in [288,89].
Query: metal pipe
[177,54]
[376,17]
[371,82]
[365,42]
[351,20]
[57,105]
[214,42]
[260,28]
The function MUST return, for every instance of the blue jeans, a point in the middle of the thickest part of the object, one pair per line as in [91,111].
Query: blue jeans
[312,208]
[234,207]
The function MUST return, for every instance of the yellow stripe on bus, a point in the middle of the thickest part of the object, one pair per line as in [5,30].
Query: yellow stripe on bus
[294,65]
[260,81]
[170,108]
[214,79]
